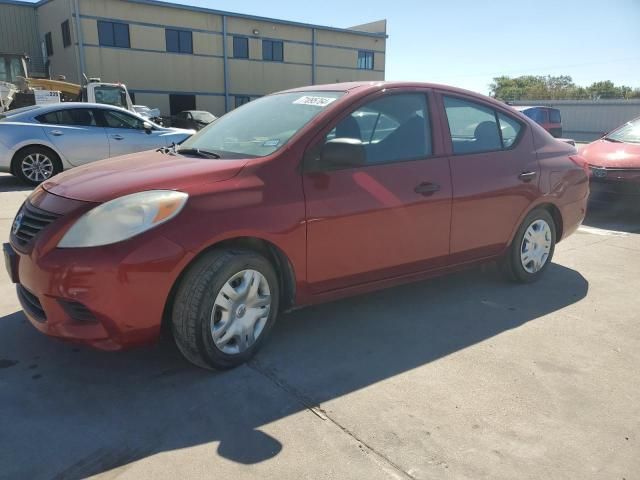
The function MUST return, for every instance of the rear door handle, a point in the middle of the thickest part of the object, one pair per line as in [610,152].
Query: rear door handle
[427,188]
[56,133]
[527,176]
[117,137]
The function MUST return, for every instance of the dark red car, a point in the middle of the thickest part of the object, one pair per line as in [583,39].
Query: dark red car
[295,198]
[547,117]
[614,160]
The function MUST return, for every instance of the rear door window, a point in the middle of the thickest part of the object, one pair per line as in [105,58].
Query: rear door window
[70,116]
[473,127]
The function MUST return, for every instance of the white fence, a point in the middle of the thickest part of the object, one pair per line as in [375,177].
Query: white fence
[587,120]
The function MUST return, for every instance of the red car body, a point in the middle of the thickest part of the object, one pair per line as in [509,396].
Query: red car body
[614,164]
[331,234]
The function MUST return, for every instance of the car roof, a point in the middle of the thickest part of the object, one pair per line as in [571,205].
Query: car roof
[371,86]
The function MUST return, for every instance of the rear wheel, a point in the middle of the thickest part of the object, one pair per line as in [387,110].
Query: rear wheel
[532,248]
[34,165]
[224,308]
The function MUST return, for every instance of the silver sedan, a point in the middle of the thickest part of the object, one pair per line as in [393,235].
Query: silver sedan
[39,141]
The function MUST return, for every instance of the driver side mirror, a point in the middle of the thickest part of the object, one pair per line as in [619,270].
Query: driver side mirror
[343,152]
[148,128]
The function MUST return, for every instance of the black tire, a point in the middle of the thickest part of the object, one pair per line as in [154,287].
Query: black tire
[194,302]
[23,155]
[511,264]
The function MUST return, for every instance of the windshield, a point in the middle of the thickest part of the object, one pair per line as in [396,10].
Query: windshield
[111,96]
[10,69]
[261,127]
[629,132]
[204,117]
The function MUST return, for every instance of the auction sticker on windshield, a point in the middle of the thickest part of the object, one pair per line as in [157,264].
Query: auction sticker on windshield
[317,101]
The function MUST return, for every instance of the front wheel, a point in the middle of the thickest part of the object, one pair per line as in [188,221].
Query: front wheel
[34,165]
[532,248]
[224,308]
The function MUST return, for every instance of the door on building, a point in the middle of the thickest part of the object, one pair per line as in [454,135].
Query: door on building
[389,216]
[179,103]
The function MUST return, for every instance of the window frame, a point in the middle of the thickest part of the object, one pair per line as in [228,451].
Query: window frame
[179,32]
[273,43]
[58,112]
[448,140]
[102,41]
[66,33]
[48,44]
[373,59]
[240,38]
[101,118]
[311,160]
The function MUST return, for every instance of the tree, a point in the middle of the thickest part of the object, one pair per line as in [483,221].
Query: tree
[532,87]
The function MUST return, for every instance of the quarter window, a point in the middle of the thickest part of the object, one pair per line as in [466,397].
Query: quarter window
[113,34]
[509,129]
[66,34]
[272,50]
[392,129]
[473,127]
[365,60]
[554,116]
[179,41]
[48,44]
[240,47]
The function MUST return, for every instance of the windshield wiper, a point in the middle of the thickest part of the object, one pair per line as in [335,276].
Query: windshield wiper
[198,151]
[609,139]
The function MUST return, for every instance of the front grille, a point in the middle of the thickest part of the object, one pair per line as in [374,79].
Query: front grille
[28,223]
[30,303]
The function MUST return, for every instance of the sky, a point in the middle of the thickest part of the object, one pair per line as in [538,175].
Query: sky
[466,43]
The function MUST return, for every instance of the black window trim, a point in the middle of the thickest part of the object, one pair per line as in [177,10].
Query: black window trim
[273,41]
[495,109]
[113,23]
[312,165]
[66,32]
[373,59]
[178,30]
[233,49]
[48,44]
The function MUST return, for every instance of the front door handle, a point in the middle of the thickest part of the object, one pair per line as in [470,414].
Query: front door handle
[56,133]
[117,137]
[527,176]
[427,188]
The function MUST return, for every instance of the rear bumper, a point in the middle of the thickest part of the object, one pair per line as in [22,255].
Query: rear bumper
[572,216]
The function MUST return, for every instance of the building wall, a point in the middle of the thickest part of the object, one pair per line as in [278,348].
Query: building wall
[19,33]
[64,60]
[153,74]
[588,120]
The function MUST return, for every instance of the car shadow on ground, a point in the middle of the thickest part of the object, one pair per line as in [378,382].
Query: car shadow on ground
[9,183]
[71,412]
[619,213]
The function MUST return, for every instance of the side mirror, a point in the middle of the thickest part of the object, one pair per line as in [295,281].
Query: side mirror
[147,127]
[343,152]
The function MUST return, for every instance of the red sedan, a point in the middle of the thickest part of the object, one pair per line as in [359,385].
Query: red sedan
[614,160]
[296,198]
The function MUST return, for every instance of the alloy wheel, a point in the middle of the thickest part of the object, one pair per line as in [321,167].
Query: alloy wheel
[37,167]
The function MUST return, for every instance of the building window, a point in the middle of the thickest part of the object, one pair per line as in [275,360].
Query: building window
[48,44]
[113,34]
[365,60]
[66,34]
[242,99]
[240,47]
[179,41]
[272,50]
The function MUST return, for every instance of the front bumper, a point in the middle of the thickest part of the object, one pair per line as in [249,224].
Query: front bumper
[615,181]
[110,297]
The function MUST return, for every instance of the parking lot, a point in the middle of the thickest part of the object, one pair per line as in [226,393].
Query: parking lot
[462,377]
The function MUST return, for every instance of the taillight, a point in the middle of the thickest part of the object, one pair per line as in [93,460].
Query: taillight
[580,161]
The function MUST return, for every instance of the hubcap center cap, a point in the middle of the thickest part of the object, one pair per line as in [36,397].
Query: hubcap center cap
[241,310]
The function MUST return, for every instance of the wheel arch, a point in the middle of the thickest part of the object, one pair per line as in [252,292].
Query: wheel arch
[56,154]
[553,210]
[273,253]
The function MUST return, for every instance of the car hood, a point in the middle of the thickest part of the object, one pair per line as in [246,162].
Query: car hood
[603,153]
[108,179]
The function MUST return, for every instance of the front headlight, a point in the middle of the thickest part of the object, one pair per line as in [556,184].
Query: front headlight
[123,218]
